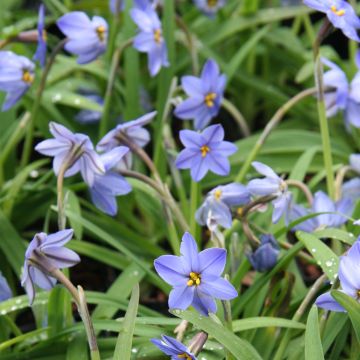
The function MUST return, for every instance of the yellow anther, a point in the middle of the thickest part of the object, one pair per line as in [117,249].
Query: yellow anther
[217,194]
[101,31]
[283,186]
[209,99]
[240,211]
[27,77]
[212,3]
[44,35]
[184,356]
[158,36]
[204,150]
[336,11]
[194,279]
[358,294]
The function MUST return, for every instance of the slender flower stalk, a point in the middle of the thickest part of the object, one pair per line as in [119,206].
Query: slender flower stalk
[237,115]
[34,111]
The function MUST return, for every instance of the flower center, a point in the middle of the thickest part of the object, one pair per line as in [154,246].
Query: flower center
[358,294]
[27,77]
[204,150]
[194,279]
[336,11]
[283,186]
[101,31]
[217,194]
[212,3]
[158,36]
[209,99]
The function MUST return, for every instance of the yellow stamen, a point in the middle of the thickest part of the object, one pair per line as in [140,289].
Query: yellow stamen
[27,77]
[158,36]
[336,11]
[194,279]
[101,31]
[212,3]
[358,294]
[184,356]
[44,35]
[209,99]
[204,150]
[217,194]
[240,211]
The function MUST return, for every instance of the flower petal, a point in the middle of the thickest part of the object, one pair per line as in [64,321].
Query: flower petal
[217,287]
[181,297]
[171,269]
[212,261]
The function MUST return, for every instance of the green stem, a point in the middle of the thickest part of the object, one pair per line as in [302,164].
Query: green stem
[194,200]
[104,124]
[271,125]
[299,313]
[238,117]
[303,187]
[32,122]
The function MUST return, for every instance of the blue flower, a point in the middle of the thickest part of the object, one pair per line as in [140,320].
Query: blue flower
[77,147]
[210,7]
[265,256]
[195,277]
[40,54]
[340,14]
[216,209]
[344,97]
[272,184]
[90,116]
[46,252]
[106,187]
[322,203]
[86,38]
[150,38]
[205,95]
[113,6]
[16,76]
[134,131]
[5,291]
[205,151]
[349,270]
[173,348]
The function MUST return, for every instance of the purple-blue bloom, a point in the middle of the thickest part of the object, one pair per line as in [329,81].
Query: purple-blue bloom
[195,277]
[322,203]
[349,270]
[150,38]
[351,188]
[210,7]
[272,184]
[86,38]
[216,209]
[5,291]
[205,151]
[116,6]
[76,147]
[106,187]
[265,256]
[16,76]
[40,54]
[205,95]
[340,13]
[173,348]
[44,253]
[345,97]
[133,130]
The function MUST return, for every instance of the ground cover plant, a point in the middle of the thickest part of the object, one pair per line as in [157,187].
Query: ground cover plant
[179,179]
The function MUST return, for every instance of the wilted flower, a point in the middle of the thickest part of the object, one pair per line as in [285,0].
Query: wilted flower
[116,6]
[45,254]
[173,348]
[265,256]
[345,97]
[205,151]
[16,76]
[195,277]
[272,184]
[133,130]
[210,7]
[76,148]
[322,203]
[349,269]
[40,54]
[106,187]
[205,95]
[150,38]
[86,38]
[216,209]
[90,116]
[340,13]
[5,291]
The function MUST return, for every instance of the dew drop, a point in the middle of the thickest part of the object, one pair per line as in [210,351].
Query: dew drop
[56,98]
[77,101]
[3,312]
[329,263]
[13,308]
[313,250]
